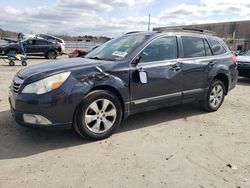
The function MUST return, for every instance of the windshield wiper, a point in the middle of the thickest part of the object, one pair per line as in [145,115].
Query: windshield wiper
[97,58]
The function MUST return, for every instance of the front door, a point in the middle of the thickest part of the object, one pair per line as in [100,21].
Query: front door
[29,46]
[164,75]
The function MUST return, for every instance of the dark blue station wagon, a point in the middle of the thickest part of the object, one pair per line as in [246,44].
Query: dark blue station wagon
[136,72]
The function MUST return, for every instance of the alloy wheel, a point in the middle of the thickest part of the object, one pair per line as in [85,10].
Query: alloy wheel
[100,116]
[216,96]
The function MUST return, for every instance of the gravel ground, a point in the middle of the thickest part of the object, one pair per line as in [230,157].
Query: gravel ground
[173,147]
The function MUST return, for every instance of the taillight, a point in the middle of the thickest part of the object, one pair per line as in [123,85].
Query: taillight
[234,59]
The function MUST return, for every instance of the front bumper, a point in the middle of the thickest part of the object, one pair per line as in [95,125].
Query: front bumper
[18,117]
[34,109]
[56,106]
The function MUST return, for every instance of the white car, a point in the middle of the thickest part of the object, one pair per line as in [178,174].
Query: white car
[244,64]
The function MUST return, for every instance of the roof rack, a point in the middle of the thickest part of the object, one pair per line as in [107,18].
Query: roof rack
[189,29]
[132,32]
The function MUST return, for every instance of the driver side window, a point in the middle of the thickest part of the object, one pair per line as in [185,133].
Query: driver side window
[161,49]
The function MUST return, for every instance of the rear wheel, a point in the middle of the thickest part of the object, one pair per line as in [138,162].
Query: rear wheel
[51,55]
[98,115]
[11,63]
[215,96]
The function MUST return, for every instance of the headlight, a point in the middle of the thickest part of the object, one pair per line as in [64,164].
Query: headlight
[47,84]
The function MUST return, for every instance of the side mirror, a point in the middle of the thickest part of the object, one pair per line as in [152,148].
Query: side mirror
[143,76]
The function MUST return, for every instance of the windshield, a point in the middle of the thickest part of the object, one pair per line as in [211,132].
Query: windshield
[117,49]
[247,53]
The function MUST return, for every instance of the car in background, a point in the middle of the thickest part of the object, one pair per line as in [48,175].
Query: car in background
[33,47]
[47,37]
[244,64]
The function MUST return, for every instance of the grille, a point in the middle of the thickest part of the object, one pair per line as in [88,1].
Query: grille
[16,84]
[15,87]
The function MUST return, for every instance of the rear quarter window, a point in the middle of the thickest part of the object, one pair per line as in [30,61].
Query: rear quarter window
[217,47]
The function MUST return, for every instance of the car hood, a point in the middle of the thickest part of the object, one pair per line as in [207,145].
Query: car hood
[44,70]
[243,58]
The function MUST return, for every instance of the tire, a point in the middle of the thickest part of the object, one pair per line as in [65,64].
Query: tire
[51,55]
[215,96]
[24,63]
[102,120]
[11,63]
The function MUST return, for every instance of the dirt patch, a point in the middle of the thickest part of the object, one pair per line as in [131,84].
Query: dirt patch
[175,147]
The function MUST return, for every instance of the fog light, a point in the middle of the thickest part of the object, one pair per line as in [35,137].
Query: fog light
[36,119]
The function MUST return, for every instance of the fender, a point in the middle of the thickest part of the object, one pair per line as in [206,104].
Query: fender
[97,78]
[220,69]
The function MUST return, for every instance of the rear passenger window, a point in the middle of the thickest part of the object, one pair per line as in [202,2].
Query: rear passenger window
[208,49]
[217,48]
[164,48]
[193,47]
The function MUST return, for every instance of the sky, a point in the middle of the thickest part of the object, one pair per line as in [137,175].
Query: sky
[114,17]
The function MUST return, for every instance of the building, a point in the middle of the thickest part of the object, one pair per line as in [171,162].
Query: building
[235,34]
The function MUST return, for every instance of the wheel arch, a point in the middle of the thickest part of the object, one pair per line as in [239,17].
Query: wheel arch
[108,88]
[50,50]
[114,91]
[224,78]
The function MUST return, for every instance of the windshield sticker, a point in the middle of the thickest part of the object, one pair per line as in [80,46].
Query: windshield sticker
[119,53]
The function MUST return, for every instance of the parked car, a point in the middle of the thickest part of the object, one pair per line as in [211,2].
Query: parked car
[133,73]
[46,37]
[244,64]
[34,47]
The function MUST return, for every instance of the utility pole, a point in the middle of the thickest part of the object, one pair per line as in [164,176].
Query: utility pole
[149,22]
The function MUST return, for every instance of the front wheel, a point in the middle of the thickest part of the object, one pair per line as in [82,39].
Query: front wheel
[51,55]
[215,96]
[98,115]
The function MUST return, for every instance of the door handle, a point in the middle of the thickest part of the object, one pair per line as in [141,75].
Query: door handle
[175,67]
[211,63]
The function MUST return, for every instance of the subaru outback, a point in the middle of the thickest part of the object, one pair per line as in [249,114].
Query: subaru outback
[139,71]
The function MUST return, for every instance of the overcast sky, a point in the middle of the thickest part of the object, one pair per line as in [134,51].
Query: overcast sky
[114,17]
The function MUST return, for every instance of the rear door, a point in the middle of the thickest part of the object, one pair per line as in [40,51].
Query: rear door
[159,60]
[197,61]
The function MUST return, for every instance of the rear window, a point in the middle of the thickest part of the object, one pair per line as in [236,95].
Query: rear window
[217,48]
[193,47]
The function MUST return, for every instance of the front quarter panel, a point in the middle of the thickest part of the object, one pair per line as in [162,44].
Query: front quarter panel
[114,75]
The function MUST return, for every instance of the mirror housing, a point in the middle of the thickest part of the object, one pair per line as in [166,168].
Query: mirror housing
[143,76]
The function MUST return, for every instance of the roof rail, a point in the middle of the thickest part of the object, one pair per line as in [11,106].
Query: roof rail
[131,32]
[189,29]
